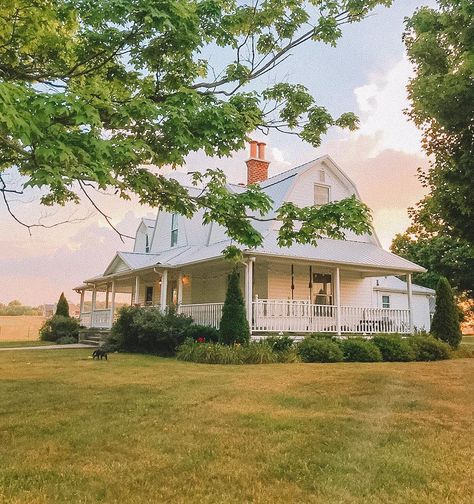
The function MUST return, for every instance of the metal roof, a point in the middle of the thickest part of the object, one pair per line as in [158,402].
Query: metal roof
[394,284]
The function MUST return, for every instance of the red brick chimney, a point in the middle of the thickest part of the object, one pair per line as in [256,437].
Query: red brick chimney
[257,166]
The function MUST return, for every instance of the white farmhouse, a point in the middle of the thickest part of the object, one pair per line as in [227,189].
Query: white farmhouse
[340,286]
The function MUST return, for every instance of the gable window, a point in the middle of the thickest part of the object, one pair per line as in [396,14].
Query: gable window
[174,229]
[147,244]
[385,301]
[321,194]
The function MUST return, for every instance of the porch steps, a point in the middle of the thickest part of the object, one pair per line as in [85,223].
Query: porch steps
[93,337]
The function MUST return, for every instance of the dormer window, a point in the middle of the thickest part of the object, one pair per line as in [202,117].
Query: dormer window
[147,244]
[321,194]
[174,229]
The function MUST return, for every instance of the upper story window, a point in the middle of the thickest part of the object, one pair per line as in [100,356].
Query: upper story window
[174,229]
[321,194]
[147,244]
[385,301]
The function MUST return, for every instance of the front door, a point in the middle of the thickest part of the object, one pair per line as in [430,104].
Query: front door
[149,295]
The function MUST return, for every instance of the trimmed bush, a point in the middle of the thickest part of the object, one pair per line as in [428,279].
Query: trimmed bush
[148,331]
[394,348]
[312,349]
[360,350]
[234,327]
[62,308]
[280,343]
[445,325]
[427,348]
[58,327]
[207,333]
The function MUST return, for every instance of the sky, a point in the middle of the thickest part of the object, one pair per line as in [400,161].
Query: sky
[366,73]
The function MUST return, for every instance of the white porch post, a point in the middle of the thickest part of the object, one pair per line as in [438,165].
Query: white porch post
[410,307]
[112,304]
[338,301]
[164,289]
[81,305]
[137,290]
[107,296]
[180,289]
[94,297]
[250,290]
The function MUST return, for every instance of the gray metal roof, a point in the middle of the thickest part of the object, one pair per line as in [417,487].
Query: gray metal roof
[394,284]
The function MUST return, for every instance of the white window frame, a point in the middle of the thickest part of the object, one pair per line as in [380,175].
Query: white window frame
[174,229]
[385,304]
[326,186]
[147,243]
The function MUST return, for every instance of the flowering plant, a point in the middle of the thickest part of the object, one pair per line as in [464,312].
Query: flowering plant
[201,340]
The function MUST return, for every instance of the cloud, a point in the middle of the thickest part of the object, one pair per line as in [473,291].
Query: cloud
[381,103]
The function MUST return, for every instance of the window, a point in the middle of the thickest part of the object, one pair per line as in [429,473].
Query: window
[149,296]
[321,194]
[174,229]
[322,176]
[385,301]
[322,288]
[147,244]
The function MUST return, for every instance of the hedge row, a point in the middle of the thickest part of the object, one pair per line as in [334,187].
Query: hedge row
[383,347]
[317,348]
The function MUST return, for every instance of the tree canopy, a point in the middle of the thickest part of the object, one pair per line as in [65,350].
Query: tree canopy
[103,93]
[428,242]
[440,44]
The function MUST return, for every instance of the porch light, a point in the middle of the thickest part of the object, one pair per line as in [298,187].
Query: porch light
[185,280]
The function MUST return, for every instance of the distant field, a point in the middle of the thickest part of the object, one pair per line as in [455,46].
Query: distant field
[21,328]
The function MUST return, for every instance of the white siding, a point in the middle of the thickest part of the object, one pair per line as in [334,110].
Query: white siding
[420,306]
[356,290]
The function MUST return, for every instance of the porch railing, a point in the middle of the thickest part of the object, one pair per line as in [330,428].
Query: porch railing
[204,314]
[374,320]
[304,317]
[99,319]
[292,316]
[298,316]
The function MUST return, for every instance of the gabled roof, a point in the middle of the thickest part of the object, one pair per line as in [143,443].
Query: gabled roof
[149,223]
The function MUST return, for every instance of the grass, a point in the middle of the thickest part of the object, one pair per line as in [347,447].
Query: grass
[139,429]
[9,344]
[20,328]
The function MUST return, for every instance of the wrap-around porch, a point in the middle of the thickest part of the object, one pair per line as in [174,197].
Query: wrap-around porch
[280,296]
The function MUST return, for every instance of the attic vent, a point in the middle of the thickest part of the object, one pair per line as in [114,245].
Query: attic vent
[322,176]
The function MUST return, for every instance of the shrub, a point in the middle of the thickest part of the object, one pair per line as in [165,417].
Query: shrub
[360,350]
[312,349]
[394,348]
[234,327]
[280,343]
[148,330]
[66,340]
[208,333]
[218,353]
[62,308]
[323,336]
[427,348]
[445,325]
[59,327]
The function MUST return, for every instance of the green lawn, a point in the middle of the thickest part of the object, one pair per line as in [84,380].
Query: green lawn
[140,429]
[9,344]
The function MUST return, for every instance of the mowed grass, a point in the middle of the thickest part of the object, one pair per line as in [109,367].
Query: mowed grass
[140,429]
[20,328]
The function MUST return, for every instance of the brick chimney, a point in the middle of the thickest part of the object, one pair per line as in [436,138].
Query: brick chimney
[257,166]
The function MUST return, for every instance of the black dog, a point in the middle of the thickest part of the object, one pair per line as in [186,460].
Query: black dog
[99,354]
